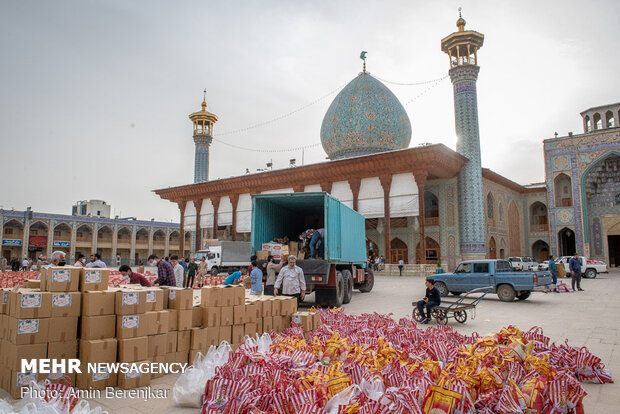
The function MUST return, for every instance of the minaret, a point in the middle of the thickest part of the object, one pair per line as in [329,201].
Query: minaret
[462,47]
[203,136]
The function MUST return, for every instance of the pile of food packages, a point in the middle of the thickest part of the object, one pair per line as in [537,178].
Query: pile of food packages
[373,364]
[12,279]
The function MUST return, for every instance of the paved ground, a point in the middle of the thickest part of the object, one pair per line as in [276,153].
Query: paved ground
[590,318]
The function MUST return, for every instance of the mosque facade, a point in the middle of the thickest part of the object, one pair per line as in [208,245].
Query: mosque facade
[425,204]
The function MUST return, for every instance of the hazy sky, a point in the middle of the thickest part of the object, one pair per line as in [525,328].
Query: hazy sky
[95,95]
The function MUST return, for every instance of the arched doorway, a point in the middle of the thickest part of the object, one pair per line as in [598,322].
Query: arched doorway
[399,251]
[142,246]
[372,249]
[492,248]
[173,243]
[62,238]
[563,191]
[566,242]
[540,251]
[538,217]
[84,240]
[502,249]
[431,209]
[159,244]
[433,252]
[123,245]
[514,230]
[613,242]
[13,237]
[37,239]
[104,244]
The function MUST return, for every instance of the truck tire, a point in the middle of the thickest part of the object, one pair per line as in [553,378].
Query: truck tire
[368,284]
[443,289]
[590,274]
[506,293]
[523,295]
[215,271]
[334,296]
[348,286]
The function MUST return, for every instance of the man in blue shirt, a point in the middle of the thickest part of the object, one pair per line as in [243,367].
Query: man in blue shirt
[554,272]
[574,265]
[257,279]
[233,278]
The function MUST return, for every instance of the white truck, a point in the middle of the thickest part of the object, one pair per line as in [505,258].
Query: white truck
[589,268]
[225,256]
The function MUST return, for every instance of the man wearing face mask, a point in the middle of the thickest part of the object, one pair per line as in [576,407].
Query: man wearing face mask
[165,274]
[80,261]
[133,277]
[58,258]
[98,263]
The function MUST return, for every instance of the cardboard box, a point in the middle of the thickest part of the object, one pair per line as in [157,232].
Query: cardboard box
[154,299]
[227,315]
[276,306]
[239,294]
[159,359]
[199,339]
[239,315]
[291,306]
[258,304]
[210,296]
[171,342]
[133,349]
[156,322]
[211,316]
[303,319]
[99,380]
[278,323]
[97,303]
[62,350]
[267,323]
[32,284]
[17,380]
[266,307]
[66,304]
[259,326]
[238,332]
[262,255]
[27,331]
[301,255]
[173,319]
[228,295]
[130,302]
[213,336]
[12,355]
[184,340]
[180,298]
[26,303]
[4,301]
[94,279]
[185,319]
[181,357]
[286,322]
[251,312]
[130,326]
[98,350]
[196,317]
[158,345]
[4,326]
[63,329]
[250,329]
[98,327]
[225,334]
[134,378]
[316,320]
[60,279]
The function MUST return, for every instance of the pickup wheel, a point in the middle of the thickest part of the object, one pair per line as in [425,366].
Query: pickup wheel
[348,286]
[369,283]
[331,296]
[590,274]
[506,293]
[455,293]
[443,289]
[215,271]
[524,295]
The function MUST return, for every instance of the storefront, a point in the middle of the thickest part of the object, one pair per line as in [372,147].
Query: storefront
[11,248]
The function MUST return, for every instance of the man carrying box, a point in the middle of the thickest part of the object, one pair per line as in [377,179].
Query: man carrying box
[291,279]
[165,274]
[134,278]
[233,278]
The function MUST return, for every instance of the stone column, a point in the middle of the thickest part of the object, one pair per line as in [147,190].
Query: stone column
[198,205]
[182,235]
[114,243]
[151,241]
[386,183]
[95,232]
[50,237]
[420,179]
[25,238]
[234,199]
[216,207]
[355,183]
[132,246]
[74,227]
[167,243]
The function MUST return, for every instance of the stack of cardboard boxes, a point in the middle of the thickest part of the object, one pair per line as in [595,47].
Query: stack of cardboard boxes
[179,303]
[280,251]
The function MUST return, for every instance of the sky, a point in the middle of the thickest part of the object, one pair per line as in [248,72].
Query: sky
[95,95]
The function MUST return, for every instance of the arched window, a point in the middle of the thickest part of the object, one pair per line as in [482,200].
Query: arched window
[598,122]
[588,124]
[431,209]
[490,206]
[500,212]
[563,191]
[538,217]
[610,122]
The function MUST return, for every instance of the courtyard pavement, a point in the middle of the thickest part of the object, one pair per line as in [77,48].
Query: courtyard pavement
[590,318]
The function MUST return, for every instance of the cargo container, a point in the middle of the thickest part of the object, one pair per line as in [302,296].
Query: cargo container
[225,256]
[343,266]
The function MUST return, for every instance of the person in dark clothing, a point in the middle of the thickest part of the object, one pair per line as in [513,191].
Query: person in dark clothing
[192,269]
[134,278]
[432,298]
[554,272]
[574,265]
[165,273]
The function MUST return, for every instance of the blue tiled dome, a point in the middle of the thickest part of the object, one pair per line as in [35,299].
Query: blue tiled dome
[364,118]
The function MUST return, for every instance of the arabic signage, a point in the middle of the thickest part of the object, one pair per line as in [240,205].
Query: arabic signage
[37,241]
[11,242]
[61,244]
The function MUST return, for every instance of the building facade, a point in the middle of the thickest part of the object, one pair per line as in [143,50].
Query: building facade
[91,208]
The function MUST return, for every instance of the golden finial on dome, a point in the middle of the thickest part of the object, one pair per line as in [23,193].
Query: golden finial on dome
[460,23]
[204,101]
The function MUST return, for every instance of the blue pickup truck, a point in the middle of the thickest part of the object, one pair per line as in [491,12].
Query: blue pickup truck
[497,274]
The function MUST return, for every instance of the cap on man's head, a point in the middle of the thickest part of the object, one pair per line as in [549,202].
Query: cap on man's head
[292,257]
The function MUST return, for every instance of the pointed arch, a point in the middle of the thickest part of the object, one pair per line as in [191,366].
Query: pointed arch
[514,229]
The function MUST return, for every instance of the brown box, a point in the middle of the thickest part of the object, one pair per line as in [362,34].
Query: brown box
[251,312]
[32,283]
[259,326]
[159,359]
[267,323]
[60,279]
[211,316]
[62,350]
[156,322]
[96,380]
[12,354]
[250,329]
[171,341]
[199,339]
[134,378]
[225,334]
[291,306]
[180,299]
[303,319]
[183,341]
[130,302]
[158,345]
[98,350]
[213,336]
[266,306]
[27,331]
[259,307]
[130,326]
[98,327]
[239,295]
[66,304]
[63,329]
[4,327]
[16,380]
[238,332]
[196,317]
[227,316]
[228,295]
[133,349]
[286,322]
[239,315]
[301,255]
[173,319]
[262,254]
[27,303]
[4,301]
[181,357]
[316,320]
[154,299]
[210,296]
[278,324]
[185,319]
[97,303]
[276,307]
[94,279]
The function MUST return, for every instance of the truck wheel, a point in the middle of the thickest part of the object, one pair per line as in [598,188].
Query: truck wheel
[348,286]
[524,295]
[369,283]
[215,271]
[331,297]
[443,289]
[506,293]
[455,293]
[590,274]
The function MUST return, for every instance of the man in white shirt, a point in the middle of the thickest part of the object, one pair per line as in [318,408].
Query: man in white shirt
[25,264]
[97,262]
[179,272]
[292,280]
